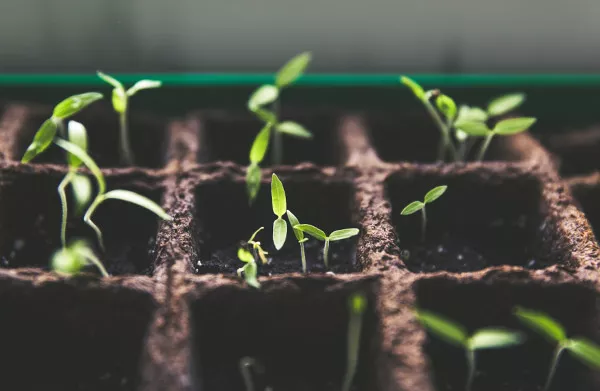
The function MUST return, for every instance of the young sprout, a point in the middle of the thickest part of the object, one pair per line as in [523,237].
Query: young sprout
[81,185]
[70,260]
[268,94]
[249,269]
[256,247]
[65,109]
[120,101]
[357,304]
[103,195]
[257,154]
[446,106]
[416,206]
[455,334]
[333,237]
[300,236]
[584,350]
[279,208]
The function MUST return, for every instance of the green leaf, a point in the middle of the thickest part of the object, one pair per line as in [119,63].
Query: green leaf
[279,233]
[67,262]
[446,329]
[542,323]
[586,351]
[119,100]
[82,191]
[294,222]
[278,196]
[260,144]
[513,125]
[74,104]
[41,141]
[416,88]
[357,303]
[253,176]
[86,159]
[435,193]
[266,116]
[245,255]
[470,114]
[342,234]
[447,106]
[78,136]
[110,80]
[505,104]
[413,207]
[494,338]
[250,272]
[293,129]
[137,199]
[312,231]
[143,85]
[476,129]
[460,135]
[264,95]
[292,70]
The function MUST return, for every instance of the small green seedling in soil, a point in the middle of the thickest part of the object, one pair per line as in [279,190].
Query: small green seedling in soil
[357,304]
[279,208]
[455,334]
[300,236]
[333,237]
[70,260]
[103,195]
[120,102]
[257,154]
[65,109]
[81,185]
[259,253]
[586,351]
[445,105]
[416,206]
[246,365]
[268,95]
[250,269]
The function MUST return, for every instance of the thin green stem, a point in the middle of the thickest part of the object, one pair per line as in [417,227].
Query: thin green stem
[93,259]
[126,152]
[245,365]
[303,255]
[326,253]
[87,218]
[423,224]
[557,352]
[64,207]
[446,141]
[471,368]
[484,146]
[354,330]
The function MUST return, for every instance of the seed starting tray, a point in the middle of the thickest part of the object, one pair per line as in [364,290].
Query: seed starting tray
[516,229]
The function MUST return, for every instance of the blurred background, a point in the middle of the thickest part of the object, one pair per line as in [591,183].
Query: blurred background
[260,35]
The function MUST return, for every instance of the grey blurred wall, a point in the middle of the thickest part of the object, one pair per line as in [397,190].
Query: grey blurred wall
[258,35]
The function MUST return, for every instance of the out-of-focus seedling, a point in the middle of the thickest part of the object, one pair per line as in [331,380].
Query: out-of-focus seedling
[455,334]
[65,109]
[416,206]
[586,351]
[257,154]
[279,208]
[70,260]
[333,237]
[300,236]
[249,269]
[247,364]
[268,95]
[357,304]
[103,195]
[120,102]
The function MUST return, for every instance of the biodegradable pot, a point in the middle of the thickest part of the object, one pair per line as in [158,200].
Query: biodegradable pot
[174,316]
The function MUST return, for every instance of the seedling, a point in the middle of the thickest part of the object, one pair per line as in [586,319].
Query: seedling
[455,334]
[357,304]
[65,109]
[249,269]
[103,195]
[257,154]
[81,185]
[586,351]
[416,206]
[279,208]
[120,101]
[333,237]
[300,236]
[70,260]
[259,253]
[246,366]
[268,94]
